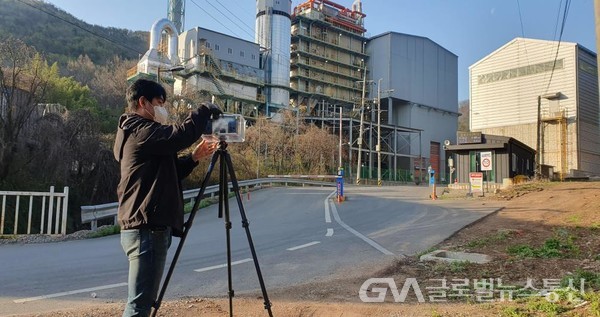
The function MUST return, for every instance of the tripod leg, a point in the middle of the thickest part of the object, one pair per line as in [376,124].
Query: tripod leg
[224,209]
[186,229]
[245,224]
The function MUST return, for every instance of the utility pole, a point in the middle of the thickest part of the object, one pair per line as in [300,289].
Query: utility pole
[258,148]
[360,133]
[378,147]
[340,147]
[538,162]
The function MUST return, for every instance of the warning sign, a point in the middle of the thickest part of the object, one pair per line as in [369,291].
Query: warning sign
[486,161]
[476,180]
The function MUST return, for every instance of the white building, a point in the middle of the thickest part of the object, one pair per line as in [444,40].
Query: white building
[223,66]
[529,84]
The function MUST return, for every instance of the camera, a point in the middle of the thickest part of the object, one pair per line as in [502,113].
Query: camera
[228,127]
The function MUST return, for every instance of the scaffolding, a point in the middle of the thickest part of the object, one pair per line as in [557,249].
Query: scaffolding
[327,55]
[395,142]
[560,120]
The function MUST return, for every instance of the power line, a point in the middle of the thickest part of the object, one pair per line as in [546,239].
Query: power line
[82,28]
[521,19]
[234,15]
[562,29]
[523,32]
[557,18]
[228,18]
[216,20]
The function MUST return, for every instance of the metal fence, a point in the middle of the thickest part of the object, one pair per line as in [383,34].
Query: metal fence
[43,212]
[92,214]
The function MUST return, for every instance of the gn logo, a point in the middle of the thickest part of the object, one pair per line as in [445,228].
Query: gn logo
[389,284]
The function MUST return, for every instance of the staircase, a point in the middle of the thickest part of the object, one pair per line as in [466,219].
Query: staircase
[214,71]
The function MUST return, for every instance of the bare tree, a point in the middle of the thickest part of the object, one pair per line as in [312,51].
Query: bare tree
[23,81]
[110,83]
[83,70]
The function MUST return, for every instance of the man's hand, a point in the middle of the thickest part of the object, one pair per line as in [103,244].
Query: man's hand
[214,110]
[204,149]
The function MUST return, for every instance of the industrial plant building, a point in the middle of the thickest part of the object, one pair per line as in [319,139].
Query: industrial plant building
[396,93]
[405,86]
[544,94]
[222,66]
[420,79]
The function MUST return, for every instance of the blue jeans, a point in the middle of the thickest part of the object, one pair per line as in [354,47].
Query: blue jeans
[146,250]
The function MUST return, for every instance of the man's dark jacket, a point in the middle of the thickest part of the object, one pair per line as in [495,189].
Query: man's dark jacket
[150,191]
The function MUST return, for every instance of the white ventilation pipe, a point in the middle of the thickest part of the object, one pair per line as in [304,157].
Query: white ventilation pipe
[155,33]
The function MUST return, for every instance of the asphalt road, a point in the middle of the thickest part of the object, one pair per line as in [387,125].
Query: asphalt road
[299,234]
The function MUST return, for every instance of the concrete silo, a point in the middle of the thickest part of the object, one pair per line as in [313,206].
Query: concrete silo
[273,23]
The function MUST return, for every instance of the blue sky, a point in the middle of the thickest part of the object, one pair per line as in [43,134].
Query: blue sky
[471,29]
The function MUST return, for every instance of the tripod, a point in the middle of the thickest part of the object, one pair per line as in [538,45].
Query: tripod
[225,168]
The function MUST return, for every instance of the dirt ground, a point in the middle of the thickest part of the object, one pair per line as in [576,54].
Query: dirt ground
[545,233]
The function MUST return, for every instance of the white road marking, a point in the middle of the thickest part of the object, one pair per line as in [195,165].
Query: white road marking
[220,266]
[329,232]
[84,290]
[304,246]
[327,214]
[372,243]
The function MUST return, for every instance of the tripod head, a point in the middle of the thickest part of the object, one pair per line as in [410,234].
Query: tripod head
[222,145]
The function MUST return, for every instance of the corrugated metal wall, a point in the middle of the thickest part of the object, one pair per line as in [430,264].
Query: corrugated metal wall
[422,72]
[510,99]
[504,90]
[588,114]
[424,77]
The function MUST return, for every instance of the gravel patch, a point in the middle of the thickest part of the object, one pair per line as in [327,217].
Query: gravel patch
[47,238]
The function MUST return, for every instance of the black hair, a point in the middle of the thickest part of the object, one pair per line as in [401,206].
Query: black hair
[143,88]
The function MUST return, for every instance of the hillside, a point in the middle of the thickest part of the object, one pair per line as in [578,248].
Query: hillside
[60,36]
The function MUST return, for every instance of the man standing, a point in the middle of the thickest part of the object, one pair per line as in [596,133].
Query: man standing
[150,190]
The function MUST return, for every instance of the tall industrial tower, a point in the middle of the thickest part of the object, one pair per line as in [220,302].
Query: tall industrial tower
[273,23]
[176,14]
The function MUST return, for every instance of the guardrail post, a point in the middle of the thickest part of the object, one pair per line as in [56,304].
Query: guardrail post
[50,210]
[17,214]
[65,209]
[3,213]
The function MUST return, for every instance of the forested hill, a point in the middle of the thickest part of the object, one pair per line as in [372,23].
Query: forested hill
[60,36]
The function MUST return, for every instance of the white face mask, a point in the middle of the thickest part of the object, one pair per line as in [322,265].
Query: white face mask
[160,114]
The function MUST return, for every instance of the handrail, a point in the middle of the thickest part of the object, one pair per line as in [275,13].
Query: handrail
[44,212]
[91,214]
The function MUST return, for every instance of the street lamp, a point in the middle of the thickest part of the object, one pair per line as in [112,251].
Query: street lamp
[175,68]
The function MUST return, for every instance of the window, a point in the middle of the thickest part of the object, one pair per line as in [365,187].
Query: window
[241,53]
[253,57]
[207,44]
[216,47]
[230,51]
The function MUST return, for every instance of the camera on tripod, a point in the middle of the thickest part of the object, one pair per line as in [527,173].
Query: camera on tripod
[228,127]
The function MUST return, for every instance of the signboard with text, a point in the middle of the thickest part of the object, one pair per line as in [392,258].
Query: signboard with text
[476,180]
[463,137]
[486,161]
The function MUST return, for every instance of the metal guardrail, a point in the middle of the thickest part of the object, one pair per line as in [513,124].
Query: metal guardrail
[91,214]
